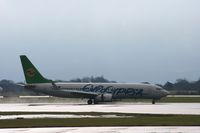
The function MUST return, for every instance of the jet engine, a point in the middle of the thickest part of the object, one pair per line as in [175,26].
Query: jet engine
[103,98]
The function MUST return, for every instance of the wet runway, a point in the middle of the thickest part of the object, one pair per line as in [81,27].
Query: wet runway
[105,130]
[44,116]
[159,108]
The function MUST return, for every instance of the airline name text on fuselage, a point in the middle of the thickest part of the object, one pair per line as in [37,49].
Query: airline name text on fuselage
[113,90]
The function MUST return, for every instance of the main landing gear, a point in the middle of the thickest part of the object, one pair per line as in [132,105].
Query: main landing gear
[89,101]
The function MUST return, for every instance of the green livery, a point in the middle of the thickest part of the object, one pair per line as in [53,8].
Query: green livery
[31,74]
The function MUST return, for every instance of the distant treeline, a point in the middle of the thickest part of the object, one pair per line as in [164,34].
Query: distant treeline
[183,86]
[180,87]
[98,79]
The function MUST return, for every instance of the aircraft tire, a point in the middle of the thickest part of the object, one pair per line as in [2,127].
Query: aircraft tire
[89,101]
[153,101]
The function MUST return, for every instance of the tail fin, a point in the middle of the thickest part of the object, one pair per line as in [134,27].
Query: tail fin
[31,74]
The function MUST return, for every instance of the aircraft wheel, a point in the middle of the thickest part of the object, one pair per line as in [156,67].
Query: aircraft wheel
[89,101]
[153,101]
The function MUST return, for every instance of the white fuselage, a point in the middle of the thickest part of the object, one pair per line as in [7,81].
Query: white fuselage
[117,90]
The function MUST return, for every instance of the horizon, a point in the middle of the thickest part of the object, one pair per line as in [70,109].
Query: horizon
[112,81]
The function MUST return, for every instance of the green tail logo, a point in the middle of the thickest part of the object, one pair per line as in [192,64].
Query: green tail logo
[32,75]
[30,72]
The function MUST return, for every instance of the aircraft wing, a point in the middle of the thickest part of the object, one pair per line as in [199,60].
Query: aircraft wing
[81,94]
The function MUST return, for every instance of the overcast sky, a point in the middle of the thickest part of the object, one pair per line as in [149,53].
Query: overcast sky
[123,40]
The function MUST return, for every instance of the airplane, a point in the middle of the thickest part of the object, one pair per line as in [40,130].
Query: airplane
[94,92]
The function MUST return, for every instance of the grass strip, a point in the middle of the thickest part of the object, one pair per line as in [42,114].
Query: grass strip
[180,100]
[138,120]
[70,113]
[168,100]
[88,113]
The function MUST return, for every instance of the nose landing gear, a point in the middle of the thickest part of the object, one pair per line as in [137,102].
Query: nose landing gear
[153,101]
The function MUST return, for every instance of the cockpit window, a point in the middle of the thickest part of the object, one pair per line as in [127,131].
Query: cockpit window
[159,89]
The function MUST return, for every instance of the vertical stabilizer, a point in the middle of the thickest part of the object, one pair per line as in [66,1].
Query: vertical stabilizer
[32,75]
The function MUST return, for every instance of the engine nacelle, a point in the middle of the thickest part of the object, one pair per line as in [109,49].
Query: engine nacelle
[104,98]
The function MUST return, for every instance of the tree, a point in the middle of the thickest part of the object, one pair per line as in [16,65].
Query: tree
[168,86]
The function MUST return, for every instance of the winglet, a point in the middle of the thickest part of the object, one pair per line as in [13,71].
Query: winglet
[32,75]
